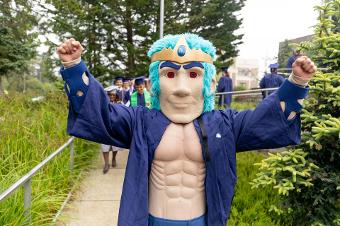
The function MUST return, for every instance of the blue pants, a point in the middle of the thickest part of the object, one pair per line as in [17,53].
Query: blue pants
[155,221]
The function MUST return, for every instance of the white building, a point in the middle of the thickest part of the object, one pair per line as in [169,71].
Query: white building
[245,72]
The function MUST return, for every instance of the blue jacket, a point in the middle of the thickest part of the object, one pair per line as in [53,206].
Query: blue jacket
[271,81]
[225,84]
[124,96]
[140,129]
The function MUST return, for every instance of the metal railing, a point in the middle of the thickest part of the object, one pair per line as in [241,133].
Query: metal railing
[26,180]
[250,92]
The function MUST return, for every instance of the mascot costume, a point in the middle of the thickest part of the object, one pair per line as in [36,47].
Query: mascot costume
[181,168]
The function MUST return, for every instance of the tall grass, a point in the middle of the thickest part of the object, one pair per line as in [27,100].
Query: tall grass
[250,206]
[29,132]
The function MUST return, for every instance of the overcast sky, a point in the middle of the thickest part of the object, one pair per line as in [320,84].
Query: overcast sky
[267,22]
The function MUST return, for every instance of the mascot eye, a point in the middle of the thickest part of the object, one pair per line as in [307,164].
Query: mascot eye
[170,74]
[193,74]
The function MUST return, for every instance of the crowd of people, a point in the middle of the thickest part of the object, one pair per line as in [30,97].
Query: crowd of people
[129,92]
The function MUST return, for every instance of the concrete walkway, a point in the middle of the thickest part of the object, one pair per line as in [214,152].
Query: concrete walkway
[96,202]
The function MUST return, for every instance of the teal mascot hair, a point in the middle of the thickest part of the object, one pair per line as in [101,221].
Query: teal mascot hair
[194,42]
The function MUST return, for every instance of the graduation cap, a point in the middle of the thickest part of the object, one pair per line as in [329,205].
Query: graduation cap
[224,68]
[139,80]
[111,89]
[276,65]
[119,78]
[126,79]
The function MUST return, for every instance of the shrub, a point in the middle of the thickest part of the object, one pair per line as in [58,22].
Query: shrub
[308,177]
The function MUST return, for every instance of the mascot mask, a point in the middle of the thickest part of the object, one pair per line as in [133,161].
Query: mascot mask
[182,75]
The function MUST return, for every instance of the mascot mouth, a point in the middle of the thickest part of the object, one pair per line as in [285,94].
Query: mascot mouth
[181,105]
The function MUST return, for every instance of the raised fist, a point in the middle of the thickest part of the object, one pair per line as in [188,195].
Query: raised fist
[303,70]
[70,50]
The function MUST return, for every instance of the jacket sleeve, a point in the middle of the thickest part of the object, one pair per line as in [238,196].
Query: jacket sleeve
[91,115]
[267,126]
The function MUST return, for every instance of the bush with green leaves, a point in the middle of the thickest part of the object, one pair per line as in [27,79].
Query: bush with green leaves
[308,177]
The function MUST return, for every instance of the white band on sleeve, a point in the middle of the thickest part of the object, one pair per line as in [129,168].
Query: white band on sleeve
[72,63]
[296,80]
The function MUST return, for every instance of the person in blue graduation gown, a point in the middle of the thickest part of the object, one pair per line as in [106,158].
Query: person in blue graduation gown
[118,82]
[122,93]
[141,97]
[126,95]
[225,84]
[291,60]
[274,123]
[271,80]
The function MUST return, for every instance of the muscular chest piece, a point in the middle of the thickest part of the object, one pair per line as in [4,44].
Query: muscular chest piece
[179,142]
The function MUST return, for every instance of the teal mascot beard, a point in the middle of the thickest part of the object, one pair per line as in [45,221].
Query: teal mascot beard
[194,42]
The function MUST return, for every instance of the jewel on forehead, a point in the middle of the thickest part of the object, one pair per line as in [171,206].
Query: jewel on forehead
[181,50]
[181,54]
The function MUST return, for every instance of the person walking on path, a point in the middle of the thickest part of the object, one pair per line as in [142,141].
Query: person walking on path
[113,97]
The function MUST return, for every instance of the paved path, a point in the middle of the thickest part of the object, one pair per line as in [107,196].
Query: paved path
[97,200]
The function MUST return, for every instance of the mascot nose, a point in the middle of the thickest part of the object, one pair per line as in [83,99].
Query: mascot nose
[182,92]
[182,87]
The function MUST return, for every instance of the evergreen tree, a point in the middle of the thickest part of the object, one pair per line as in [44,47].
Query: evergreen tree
[215,20]
[117,34]
[16,37]
[308,178]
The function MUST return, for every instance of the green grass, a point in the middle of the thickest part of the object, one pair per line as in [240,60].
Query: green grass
[250,206]
[29,132]
[243,105]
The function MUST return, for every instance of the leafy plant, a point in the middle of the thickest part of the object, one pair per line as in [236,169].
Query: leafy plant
[307,178]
